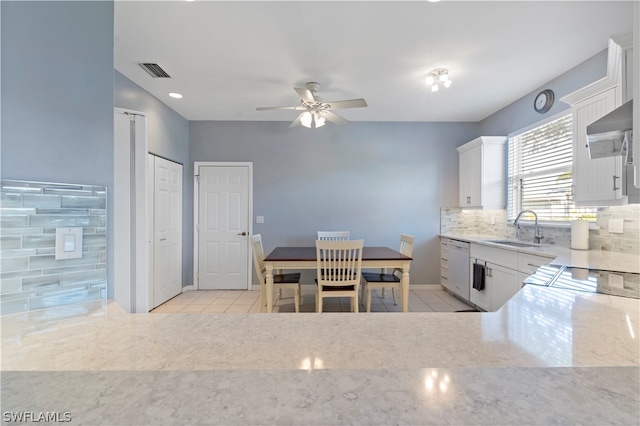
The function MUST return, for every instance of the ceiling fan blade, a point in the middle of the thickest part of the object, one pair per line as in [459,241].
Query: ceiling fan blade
[296,122]
[298,108]
[351,103]
[305,94]
[334,118]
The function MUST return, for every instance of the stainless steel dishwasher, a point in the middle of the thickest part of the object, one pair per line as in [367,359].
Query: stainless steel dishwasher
[459,268]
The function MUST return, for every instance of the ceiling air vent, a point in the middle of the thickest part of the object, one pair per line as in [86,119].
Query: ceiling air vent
[154,70]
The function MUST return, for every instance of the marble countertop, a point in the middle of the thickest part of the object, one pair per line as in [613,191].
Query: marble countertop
[548,356]
[588,259]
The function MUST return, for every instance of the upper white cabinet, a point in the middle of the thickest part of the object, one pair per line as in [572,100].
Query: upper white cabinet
[596,181]
[482,173]
[601,181]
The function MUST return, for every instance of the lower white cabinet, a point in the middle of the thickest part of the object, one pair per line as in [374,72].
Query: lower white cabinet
[505,270]
[504,285]
[500,285]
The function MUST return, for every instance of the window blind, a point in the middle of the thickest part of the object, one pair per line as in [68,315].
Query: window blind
[539,173]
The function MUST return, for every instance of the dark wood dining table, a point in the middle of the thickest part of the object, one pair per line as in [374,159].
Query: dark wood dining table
[305,258]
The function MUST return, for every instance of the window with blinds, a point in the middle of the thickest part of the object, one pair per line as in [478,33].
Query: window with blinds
[539,176]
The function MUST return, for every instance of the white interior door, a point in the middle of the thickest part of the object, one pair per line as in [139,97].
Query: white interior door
[167,230]
[223,227]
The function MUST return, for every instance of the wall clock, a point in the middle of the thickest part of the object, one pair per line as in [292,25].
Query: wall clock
[544,101]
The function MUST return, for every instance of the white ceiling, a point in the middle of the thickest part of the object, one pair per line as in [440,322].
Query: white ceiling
[227,58]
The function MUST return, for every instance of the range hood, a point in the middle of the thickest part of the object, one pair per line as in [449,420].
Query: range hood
[611,135]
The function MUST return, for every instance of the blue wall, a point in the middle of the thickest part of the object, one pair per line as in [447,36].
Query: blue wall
[374,179]
[57,94]
[168,137]
[521,114]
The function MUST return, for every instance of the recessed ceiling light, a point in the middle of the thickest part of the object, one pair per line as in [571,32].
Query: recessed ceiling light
[175,95]
[433,1]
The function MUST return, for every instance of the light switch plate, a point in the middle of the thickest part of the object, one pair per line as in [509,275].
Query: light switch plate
[616,226]
[68,243]
[616,281]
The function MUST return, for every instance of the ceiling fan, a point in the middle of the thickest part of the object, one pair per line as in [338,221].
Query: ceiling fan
[315,111]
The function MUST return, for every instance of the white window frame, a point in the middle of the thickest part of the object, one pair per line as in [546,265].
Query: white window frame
[513,211]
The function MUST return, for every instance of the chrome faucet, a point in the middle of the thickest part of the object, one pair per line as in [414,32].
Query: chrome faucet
[537,237]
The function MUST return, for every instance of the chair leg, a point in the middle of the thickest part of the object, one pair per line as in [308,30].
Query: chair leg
[296,299]
[383,293]
[368,299]
[393,292]
[354,303]
[318,301]
[263,298]
[279,293]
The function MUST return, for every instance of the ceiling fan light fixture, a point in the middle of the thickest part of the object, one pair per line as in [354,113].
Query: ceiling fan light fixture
[316,112]
[436,77]
[312,120]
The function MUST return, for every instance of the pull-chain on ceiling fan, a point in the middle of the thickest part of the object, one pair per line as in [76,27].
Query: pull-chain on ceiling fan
[315,111]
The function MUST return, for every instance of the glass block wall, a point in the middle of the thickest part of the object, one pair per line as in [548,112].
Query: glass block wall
[30,276]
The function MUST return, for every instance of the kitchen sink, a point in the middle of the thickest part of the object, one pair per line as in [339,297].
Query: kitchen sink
[514,243]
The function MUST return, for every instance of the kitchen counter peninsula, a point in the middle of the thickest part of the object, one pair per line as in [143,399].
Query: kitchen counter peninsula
[548,356]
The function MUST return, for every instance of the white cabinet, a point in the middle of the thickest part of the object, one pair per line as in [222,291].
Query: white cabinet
[595,181]
[602,181]
[500,285]
[505,271]
[501,276]
[504,284]
[444,262]
[482,173]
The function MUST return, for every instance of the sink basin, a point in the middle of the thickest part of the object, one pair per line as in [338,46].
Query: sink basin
[514,243]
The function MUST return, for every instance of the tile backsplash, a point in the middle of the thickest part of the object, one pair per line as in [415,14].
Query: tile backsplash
[494,223]
[30,276]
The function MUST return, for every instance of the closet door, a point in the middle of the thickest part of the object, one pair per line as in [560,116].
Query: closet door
[167,230]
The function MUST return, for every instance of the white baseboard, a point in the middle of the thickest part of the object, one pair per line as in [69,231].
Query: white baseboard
[414,286]
[426,286]
[188,288]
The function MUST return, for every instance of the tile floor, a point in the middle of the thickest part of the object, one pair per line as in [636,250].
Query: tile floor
[421,299]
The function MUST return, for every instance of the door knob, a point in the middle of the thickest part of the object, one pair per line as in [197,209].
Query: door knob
[242,233]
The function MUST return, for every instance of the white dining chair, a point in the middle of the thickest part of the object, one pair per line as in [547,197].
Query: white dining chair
[333,235]
[384,280]
[339,269]
[280,281]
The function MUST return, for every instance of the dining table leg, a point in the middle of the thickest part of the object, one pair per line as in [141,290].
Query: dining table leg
[404,284]
[269,285]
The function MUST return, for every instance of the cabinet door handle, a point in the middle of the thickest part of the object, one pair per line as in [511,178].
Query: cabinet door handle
[532,265]
[614,182]
[468,199]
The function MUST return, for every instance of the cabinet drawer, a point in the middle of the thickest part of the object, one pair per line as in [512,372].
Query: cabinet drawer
[503,257]
[529,263]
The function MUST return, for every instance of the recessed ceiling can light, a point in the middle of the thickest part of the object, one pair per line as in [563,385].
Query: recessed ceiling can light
[175,95]
[433,1]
